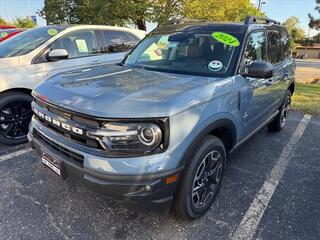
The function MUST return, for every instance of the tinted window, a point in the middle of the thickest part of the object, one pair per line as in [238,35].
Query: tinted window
[285,44]
[27,41]
[117,41]
[256,48]
[275,52]
[184,52]
[78,44]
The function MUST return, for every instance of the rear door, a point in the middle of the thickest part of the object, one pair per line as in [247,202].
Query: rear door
[116,43]
[279,55]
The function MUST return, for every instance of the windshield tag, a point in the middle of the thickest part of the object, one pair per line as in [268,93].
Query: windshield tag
[52,31]
[215,66]
[4,34]
[226,39]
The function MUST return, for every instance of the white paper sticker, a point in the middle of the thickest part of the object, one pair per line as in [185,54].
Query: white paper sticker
[82,45]
[215,66]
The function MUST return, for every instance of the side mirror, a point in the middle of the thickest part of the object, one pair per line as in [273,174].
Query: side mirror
[57,54]
[259,69]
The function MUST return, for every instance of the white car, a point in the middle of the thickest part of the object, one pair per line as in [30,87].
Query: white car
[34,55]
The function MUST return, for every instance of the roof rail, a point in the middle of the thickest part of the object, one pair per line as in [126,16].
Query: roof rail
[183,20]
[261,20]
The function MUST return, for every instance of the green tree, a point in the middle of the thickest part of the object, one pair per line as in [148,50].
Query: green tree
[316,38]
[3,22]
[59,11]
[23,22]
[315,21]
[220,11]
[296,33]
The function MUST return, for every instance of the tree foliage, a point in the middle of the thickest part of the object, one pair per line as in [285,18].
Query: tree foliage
[217,10]
[315,21]
[138,12]
[296,33]
[3,22]
[23,22]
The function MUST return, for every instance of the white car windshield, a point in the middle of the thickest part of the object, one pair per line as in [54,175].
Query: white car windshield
[27,41]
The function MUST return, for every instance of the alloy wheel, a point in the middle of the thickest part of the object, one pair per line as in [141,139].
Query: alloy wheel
[207,179]
[14,119]
[285,111]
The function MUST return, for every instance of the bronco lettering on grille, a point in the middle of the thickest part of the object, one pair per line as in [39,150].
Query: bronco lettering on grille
[58,123]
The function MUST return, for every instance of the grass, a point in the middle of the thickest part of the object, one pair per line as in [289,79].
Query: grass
[306,98]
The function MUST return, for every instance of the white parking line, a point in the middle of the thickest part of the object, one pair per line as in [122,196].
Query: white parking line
[15,154]
[251,219]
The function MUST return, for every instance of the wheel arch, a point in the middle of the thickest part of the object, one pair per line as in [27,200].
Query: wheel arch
[291,88]
[224,129]
[21,90]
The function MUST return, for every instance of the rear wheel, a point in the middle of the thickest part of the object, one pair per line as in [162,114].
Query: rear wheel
[201,180]
[280,120]
[15,116]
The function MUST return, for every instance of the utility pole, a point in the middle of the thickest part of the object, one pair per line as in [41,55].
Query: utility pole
[261,2]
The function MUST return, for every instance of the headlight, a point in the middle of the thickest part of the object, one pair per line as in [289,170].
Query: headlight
[138,138]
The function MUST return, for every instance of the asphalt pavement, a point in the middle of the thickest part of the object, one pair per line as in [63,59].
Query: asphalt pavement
[308,63]
[270,191]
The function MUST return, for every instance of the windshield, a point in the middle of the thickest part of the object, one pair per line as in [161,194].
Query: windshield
[27,41]
[208,54]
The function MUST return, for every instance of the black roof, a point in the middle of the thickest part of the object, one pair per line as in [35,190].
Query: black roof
[203,26]
[200,26]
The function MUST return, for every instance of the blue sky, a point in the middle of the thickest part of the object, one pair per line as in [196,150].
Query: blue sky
[277,9]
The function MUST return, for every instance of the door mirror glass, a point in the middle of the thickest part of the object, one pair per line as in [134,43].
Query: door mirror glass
[57,54]
[259,69]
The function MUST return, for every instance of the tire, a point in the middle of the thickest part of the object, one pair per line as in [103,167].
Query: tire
[190,203]
[279,122]
[15,116]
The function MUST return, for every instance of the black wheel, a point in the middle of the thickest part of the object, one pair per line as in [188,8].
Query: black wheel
[15,116]
[201,180]
[279,122]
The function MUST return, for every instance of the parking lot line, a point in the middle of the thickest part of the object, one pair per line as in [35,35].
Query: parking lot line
[15,154]
[251,219]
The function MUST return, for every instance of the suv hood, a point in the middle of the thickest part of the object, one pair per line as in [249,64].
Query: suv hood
[112,91]
[6,63]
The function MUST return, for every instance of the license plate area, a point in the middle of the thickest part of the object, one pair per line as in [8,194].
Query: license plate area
[55,165]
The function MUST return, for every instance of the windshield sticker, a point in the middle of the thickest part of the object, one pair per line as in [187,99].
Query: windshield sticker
[4,34]
[215,66]
[52,32]
[226,39]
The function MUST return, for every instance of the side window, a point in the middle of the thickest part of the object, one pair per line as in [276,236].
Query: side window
[117,41]
[285,43]
[275,52]
[256,48]
[78,43]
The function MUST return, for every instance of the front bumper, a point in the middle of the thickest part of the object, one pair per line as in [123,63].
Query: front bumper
[145,191]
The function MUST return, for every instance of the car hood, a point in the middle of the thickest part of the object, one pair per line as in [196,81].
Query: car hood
[6,63]
[120,92]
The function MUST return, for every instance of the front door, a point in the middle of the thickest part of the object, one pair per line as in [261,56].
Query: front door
[257,93]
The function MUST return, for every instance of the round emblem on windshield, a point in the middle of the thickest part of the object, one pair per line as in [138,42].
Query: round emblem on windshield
[215,65]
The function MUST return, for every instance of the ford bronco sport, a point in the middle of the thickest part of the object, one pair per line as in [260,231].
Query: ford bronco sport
[156,129]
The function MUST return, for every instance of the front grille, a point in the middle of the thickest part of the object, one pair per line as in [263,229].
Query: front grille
[62,150]
[76,118]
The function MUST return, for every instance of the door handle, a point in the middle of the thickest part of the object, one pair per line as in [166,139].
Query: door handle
[269,82]
[286,76]
[96,62]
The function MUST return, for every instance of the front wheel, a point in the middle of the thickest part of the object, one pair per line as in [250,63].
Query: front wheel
[15,116]
[201,180]
[279,122]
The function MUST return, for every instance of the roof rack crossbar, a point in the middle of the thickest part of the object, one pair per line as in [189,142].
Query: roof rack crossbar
[254,19]
[183,20]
